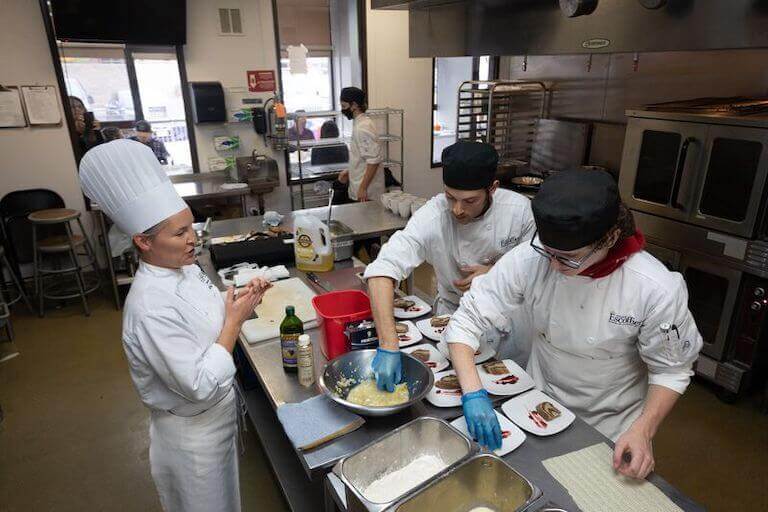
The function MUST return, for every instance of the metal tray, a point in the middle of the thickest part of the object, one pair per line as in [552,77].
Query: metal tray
[396,450]
[482,481]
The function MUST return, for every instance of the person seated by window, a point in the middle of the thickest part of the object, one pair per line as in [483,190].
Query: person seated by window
[329,130]
[299,130]
[86,126]
[145,135]
[111,133]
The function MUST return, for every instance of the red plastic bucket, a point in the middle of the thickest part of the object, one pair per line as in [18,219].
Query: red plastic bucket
[334,311]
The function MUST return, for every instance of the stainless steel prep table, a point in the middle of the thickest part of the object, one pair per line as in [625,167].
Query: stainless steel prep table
[302,475]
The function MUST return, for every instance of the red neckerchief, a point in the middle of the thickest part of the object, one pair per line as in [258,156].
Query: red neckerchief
[616,256]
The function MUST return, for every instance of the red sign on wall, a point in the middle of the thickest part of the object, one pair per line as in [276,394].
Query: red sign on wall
[261,81]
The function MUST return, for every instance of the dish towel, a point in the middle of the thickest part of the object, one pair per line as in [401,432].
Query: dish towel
[316,421]
[589,477]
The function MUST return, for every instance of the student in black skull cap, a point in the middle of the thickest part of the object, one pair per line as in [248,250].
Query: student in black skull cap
[612,337]
[461,233]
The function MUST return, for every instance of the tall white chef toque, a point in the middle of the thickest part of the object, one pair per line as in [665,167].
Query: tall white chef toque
[125,179]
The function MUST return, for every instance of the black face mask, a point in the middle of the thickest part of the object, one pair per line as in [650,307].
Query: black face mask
[347,113]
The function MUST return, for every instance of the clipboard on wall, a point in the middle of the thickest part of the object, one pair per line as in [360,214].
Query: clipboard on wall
[42,105]
[11,108]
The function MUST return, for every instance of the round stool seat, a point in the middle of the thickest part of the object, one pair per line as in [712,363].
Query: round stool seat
[53,216]
[59,243]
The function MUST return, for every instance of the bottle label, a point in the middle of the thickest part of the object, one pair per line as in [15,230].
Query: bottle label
[288,344]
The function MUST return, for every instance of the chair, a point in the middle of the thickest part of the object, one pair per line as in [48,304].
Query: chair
[66,244]
[20,290]
[15,207]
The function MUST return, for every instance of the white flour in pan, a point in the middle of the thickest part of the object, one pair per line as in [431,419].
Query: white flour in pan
[396,483]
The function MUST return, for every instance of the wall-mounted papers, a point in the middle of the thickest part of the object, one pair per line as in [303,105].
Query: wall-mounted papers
[11,110]
[42,105]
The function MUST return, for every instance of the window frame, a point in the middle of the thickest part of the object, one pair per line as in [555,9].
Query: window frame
[493,74]
[128,53]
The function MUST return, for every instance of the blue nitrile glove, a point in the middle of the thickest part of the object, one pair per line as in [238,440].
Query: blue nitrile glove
[482,423]
[388,368]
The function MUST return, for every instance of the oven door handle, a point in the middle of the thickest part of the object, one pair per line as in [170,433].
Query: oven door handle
[679,173]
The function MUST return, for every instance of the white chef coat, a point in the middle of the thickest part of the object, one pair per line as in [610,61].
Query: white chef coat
[364,149]
[597,343]
[434,236]
[171,322]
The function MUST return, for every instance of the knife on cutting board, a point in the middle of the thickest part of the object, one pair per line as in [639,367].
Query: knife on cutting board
[325,285]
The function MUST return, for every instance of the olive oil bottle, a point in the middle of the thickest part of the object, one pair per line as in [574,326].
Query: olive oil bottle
[290,330]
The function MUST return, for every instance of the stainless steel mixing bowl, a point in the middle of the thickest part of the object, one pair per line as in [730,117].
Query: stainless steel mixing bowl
[347,370]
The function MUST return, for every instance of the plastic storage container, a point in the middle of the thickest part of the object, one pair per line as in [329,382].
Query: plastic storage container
[334,311]
[312,244]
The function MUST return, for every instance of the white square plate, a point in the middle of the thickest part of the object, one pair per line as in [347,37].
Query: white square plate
[486,351]
[441,397]
[433,333]
[514,382]
[437,361]
[511,435]
[420,308]
[411,337]
[518,408]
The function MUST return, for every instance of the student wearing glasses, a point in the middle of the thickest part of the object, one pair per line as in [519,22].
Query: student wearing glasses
[613,339]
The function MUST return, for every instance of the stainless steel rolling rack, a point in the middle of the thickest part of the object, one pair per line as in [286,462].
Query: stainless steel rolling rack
[502,113]
[391,126]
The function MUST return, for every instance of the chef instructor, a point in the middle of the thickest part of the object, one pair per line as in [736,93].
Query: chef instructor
[178,332]
[364,176]
[614,340]
[461,233]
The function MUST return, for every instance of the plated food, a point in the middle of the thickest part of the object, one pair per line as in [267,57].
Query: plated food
[447,391]
[439,321]
[429,355]
[407,333]
[511,435]
[410,307]
[504,378]
[538,414]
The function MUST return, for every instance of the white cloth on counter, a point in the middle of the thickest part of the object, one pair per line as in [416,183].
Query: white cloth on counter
[597,343]
[432,235]
[119,242]
[365,148]
[245,272]
[594,485]
[128,183]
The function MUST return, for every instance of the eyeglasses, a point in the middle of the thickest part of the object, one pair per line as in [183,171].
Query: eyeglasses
[572,264]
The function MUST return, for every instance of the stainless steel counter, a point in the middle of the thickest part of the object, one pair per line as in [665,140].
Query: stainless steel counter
[277,388]
[367,220]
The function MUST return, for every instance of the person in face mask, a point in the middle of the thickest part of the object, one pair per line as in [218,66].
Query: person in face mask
[461,233]
[364,177]
[613,339]
[178,332]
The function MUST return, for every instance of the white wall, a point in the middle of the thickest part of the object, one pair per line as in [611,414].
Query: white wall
[33,157]
[395,80]
[212,57]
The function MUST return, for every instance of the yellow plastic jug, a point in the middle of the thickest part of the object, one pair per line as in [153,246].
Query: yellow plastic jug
[312,244]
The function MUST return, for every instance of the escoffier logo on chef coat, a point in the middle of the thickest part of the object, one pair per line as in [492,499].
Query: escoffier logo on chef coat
[506,242]
[616,319]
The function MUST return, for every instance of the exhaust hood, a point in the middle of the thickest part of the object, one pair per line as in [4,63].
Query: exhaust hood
[449,28]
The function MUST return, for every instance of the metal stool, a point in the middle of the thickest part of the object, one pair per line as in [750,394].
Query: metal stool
[62,244]
[22,293]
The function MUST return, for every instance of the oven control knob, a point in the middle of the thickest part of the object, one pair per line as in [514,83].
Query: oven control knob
[759,292]
[756,306]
